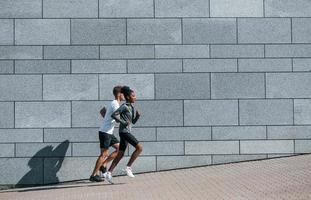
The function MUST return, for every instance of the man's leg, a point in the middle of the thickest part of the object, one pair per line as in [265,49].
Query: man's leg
[113,155]
[116,161]
[135,154]
[100,161]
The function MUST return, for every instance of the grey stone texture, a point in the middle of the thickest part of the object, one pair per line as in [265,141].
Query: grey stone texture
[154,31]
[181,8]
[217,81]
[73,87]
[42,114]
[42,66]
[204,30]
[288,85]
[70,9]
[121,9]
[264,30]
[20,87]
[42,31]
[182,86]
[266,112]
[98,31]
[237,85]
[236,8]
[6,32]
[210,112]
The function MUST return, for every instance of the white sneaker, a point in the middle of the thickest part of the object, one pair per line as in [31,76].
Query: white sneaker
[108,177]
[129,172]
[102,175]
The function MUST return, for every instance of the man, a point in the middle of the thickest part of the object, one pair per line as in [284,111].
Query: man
[106,137]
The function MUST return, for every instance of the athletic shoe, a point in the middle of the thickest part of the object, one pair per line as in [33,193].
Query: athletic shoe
[129,172]
[108,177]
[95,178]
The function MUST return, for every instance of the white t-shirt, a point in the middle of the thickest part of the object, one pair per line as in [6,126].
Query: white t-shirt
[109,123]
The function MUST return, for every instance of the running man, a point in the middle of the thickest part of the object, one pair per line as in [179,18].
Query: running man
[106,137]
[126,115]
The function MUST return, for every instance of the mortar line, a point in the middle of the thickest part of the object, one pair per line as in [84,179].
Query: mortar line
[291,30]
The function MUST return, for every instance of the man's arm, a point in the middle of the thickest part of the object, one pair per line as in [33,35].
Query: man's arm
[103,111]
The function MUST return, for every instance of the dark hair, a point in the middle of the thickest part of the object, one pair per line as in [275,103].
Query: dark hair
[116,90]
[126,90]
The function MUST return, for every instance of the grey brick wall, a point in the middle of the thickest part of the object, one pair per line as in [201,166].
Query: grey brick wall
[217,81]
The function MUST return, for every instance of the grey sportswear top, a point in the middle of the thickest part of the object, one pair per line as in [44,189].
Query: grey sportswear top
[126,116]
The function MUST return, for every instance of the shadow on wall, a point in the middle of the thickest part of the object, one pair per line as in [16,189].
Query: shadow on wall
[38,170]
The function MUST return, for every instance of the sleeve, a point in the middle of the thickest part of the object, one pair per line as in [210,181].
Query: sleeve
[137,117]
[116,115]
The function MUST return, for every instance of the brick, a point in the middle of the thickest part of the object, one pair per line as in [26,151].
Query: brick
[74,87]
[288,85]
[237,85]
[184,133]
[266,112]
[181,51]
[237,8]
[42,66]
[288,50]
[302,146]
[70,9]
[237,51]
[21,9]
[265,65]
[267,146]
[154,31]
[71,134]
[154,66]
[6,67]
[42,114]
[145,134]
[301,30]
[71,52]
[302,109]
[21,171]
[142,84]
[6,31]
[85,149]
[99,66]
[7,114]
[125,9]
[98,31]
[7,150]
[127,52]
[173,115]
[161,148]
[287,8]
[208,30]
[42,31]
[20,87]
[289,132]
[21,135]
[182,86]
[220,159]
[211,147]
[181,8]
[43,149]
[213,112]
[239,133]
[86,113]
[264,30]
[210,65]
[302,64]
[21,52]
[175,162]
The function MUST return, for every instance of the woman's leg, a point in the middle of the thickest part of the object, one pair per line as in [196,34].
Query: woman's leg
[135,154]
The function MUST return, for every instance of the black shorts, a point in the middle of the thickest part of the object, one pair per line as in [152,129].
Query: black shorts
[107,140]
[126,138]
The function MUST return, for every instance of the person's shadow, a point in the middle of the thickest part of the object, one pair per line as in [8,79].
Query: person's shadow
[44,170]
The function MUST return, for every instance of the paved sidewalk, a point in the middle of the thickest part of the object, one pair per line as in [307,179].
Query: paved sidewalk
[280,178]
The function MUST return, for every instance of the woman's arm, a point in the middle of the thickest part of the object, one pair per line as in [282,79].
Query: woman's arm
[116,115]
[137,117]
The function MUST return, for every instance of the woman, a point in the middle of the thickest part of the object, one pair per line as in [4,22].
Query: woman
[126,115]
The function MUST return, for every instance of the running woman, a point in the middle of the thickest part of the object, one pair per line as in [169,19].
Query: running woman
[126,115]
[106,137]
